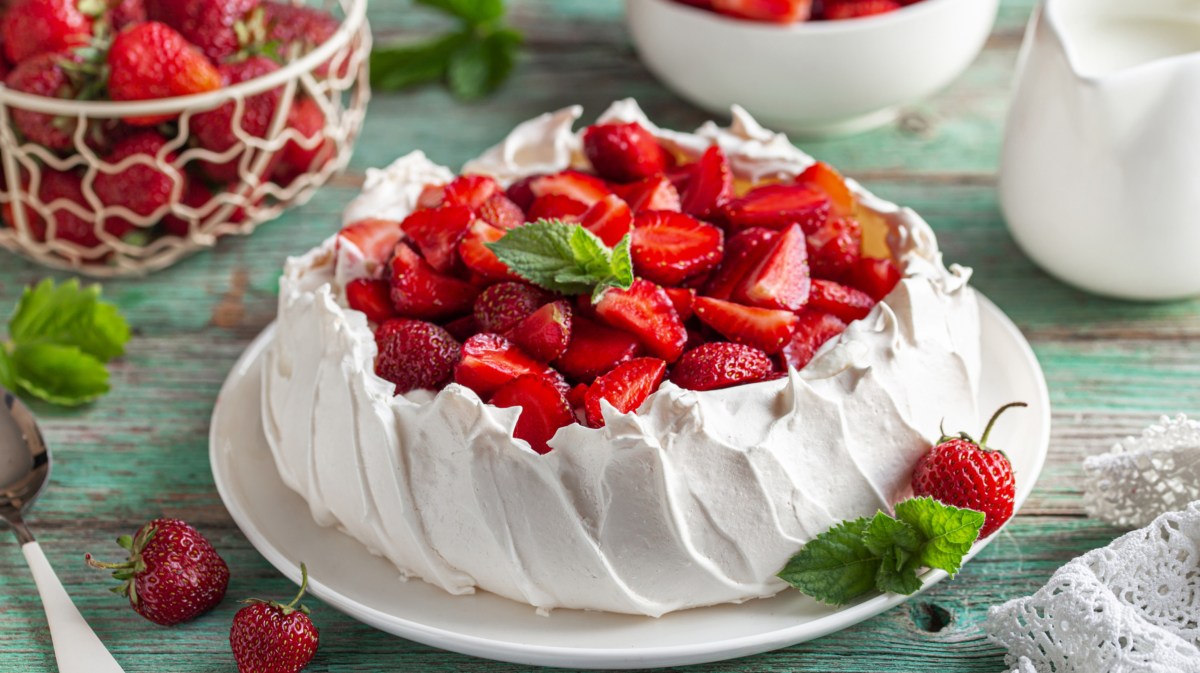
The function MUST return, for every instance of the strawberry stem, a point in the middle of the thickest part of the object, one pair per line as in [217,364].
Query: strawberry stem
[303,587]
[988,430]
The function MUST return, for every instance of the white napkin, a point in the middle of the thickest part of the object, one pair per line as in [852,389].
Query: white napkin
[1143,477]
[1130,607]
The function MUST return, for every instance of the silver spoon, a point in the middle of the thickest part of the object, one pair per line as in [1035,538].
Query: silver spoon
[24,471]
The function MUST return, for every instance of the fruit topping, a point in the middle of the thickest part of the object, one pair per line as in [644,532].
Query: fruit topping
[720,364]
[419,291]
[489,361]
[437,233]
[595,349]
[556,207]
[812,331]
[544,409]
[500,211]
[766,329]
[847,303]
[581,187]
[834,248]
[656,193]
[876,277]
[372,240]
[609,218]
[625,387]
[474,253]
[415,354]
[503,305]
[709,185]
[669,248]
[645,311]
[623,152]
[779,207]
[372,296]
[471,191]
[781,278]
[545,333]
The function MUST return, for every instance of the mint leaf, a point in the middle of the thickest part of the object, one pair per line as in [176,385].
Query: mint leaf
[8,379]
[948,532]
[885,533]
[897,573]
[471,11]
[69,315]
[479,67]
[564,258]
[59,374]
[404,66]
[836,567]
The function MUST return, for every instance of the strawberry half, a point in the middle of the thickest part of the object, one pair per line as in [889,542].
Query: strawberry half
[489,361]
[415,354]
[779,207]
[581,187]
[474,253]
[623,152]
[720,364]
[683,299]
[656,193]
[595,349]
[437,233]
[669,248]
[645,311]
[609,218]
[710,185]
[838,10]
[471,191]
[372,296]
[743,252]
[766,329]
[775,11]
[812,331]
[500,307]
[373,240]
[876,277]
[834,248]
[781,279]
[419,291]
[556,207]
[823,177]
[847,303]
[625,388]
[544,409]
[500,211]
[545,333]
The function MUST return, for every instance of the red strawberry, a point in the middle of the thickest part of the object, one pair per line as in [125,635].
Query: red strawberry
[609,218]
[418,291]
[196,197]
[834,248]
[813,330]
[59,190]
[463,328]
[963,473]
[288,24]
[214,129]
[268,637]
[720,364]
[776,11]
[595,349]
[45,75]
[779,207]
[623,152]
[151,61]
[471,191]
[584,188]
[143,189]
[683,299]
[33,27]
[544,409]
[311,150]
[374,239]
[744,251]
[844,302]
[437,233]
[645,311]
[490,360]
[822,176]
[372,296]
[836,10]
[669,248]
[122,13]
[710,185]
[521,191]
[499,211]
[556,207]
[208,24]
[656,193]
[625,388]
[576,395]
[876,277]
[545,333]
[173,574]
[473,251]
[781,279]
[766,329]
[415,354]
[500,307]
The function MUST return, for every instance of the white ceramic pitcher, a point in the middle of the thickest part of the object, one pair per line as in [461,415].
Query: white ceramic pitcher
[1100,174]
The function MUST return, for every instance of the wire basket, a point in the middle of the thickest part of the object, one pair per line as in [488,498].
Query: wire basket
[334,76]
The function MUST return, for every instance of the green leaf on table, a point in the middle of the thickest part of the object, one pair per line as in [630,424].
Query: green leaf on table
[59,374]
[565,258]
[68,314]
[835,567]
[403,66]
[480,66]
[471,11]
[8,379]
[948,532]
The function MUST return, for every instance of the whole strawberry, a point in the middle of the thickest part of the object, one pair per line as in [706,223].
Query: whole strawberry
[150,61]
[45,75]
[268,637]
[173,574]
[208,24]
[964,473]
[143,189]
[214,130]
[33,27]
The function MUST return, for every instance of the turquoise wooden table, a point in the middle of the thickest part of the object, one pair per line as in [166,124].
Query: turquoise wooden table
[143,450]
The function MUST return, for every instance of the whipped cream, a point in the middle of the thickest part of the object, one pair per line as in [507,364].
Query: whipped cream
[699,498]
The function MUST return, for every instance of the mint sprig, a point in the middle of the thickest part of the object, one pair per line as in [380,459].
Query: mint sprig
[473,60]
[59,339]
[883,553]
[565,258]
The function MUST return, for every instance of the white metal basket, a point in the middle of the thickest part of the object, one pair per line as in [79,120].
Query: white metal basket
[342,94]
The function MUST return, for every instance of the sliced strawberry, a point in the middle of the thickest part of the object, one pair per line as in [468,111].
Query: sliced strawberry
[577,394]
[775,11]
[500,307]
[834,248]
[781,279]
[683,299]
[415,354]
[837,10]
[764,328]
[779,207]
[813,330]
[625,388]
[584,188]
[710,185]
[543,409]
[609,218]
[419,291]
[743,252]
[670,247]
[623,152]
[847,303]
[473,251]
[645,311]
[432,196]
[656,193]
[594,349]
[471,191]
[876,277]
[437,233]
[545,333]
[521,192]
[500,211]
[371,296]
[822,176]
[720,364]
[463,328]
[490,360]
[556,207]
[374,239]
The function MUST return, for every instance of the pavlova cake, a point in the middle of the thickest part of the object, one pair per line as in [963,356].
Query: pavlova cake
[624,369]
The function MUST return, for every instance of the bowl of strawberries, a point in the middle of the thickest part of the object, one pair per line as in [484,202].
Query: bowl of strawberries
[136,132]
[810,67]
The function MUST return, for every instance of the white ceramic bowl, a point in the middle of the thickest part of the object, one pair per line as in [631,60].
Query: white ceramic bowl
[814,78]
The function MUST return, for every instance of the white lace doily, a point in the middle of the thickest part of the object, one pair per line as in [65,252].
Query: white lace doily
[1130,607]
[1145,476]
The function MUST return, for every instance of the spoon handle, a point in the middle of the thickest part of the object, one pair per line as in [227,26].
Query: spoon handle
[76,647]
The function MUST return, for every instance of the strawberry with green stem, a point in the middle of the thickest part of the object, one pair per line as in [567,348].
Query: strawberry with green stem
[271,637]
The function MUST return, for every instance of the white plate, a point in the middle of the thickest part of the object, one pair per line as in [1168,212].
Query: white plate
[343,574]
